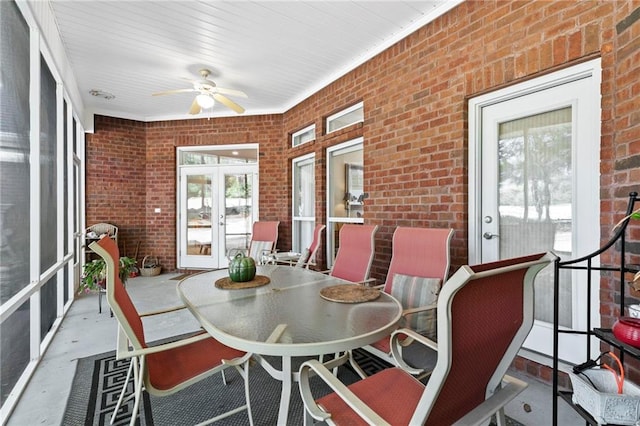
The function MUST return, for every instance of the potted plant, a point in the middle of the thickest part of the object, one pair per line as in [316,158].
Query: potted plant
[95,272]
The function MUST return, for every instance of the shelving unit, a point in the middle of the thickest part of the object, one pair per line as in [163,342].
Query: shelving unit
[605,335]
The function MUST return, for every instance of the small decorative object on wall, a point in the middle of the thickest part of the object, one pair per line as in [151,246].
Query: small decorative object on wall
[354,185]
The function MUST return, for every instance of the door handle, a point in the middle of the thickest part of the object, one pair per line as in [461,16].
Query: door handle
[489,236]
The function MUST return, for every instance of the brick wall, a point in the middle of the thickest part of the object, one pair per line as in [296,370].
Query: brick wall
[116,180]
[415,131]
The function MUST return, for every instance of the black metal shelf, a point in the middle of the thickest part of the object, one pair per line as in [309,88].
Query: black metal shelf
[567,397]
[605,335]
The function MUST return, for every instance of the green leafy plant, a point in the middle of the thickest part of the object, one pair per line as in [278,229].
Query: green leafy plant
[94,273]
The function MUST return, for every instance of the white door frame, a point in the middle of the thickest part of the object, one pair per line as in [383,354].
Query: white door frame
[217,173]
[586,207]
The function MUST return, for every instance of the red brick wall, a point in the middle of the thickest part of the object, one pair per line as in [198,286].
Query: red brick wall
[415,98]
[116,180]
[147,180]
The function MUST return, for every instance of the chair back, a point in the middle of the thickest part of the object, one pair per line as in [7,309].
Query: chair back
[420,252]
[355,253]
[121,304]
[315,245]
[485,312]
[103,228]
[264,237]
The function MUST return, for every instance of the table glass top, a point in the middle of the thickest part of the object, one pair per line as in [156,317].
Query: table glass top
[288,315]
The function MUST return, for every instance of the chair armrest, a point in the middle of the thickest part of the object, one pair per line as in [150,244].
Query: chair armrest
[313,367]
[494,403]
[124,350]
[162,311]
[411,336]
[417,309]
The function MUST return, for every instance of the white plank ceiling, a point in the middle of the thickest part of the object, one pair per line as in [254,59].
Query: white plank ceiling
[277,52]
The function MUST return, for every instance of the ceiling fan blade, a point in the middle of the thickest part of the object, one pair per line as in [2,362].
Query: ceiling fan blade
[195,107]
[169,92]
[228,103]
[230,92]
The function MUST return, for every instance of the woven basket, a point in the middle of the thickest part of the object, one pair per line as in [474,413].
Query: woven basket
[150,267]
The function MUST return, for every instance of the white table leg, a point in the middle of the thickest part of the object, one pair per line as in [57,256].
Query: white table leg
[285,395]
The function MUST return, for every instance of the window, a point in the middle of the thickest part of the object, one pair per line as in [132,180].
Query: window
[345,190]
[303,136]
[304,200]
[346,117]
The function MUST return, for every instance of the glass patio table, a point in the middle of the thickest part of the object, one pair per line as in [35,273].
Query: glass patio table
[286,318]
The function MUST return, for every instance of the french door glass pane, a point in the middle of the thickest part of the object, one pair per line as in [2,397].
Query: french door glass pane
[238,194]
[199,202]
[535,196]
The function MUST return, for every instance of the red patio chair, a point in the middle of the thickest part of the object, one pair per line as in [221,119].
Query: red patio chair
[308,256]
[264,237]
[420,261]
[485,312]
[167,368]
[355,253]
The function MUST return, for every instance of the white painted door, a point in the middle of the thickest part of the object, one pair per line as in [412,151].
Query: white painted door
[534,187]
[217,208]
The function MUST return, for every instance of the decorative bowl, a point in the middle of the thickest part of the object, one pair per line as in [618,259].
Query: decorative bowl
[627,330]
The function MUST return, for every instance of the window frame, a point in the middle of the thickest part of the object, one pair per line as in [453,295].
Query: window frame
[298,134]
[334,117]
[352,145]
[297,244]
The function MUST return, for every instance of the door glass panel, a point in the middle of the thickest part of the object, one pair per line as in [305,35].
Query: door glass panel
[199,202]
[238,192]
[535,195]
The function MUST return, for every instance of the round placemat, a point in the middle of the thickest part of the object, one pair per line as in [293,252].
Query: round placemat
[226,283]
[349,293]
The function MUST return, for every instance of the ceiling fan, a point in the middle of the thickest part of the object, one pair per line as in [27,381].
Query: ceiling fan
[208,94]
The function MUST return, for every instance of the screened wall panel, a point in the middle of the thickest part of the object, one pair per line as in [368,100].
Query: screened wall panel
[48,305]
[14,152]
[14,348]
[48,188]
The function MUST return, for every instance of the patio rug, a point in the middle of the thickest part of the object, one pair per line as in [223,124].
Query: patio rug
[98,381]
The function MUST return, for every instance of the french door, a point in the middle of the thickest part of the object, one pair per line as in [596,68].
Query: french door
[217,207]
[534,179]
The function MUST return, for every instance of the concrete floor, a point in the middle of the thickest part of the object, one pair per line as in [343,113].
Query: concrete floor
[85,332]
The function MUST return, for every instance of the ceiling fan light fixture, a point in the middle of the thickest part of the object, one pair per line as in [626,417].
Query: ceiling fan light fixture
[205,101]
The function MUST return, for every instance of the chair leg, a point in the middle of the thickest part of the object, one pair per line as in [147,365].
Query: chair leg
[138,369]
[500,418]
[121,399]
[356,367]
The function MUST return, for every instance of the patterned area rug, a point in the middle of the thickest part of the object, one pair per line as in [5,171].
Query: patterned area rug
[98,381]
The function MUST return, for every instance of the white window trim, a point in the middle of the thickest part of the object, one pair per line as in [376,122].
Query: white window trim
[359,105]
[294,217]
[349,146]
[302,132]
